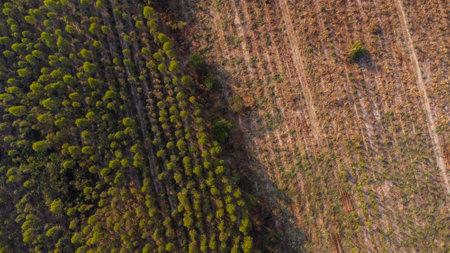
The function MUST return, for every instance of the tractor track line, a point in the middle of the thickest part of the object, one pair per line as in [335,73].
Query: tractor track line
[420,84]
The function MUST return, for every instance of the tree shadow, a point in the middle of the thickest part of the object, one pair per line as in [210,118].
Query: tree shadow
[273,230]
[272,226]
[366,61]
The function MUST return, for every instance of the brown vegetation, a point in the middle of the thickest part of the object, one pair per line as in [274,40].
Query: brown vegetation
[353,144]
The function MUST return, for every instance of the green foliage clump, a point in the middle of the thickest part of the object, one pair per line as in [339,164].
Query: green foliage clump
[89,67]
[114,164]
[148,12]
[52,232]
[24,73]
[357,50]
[68,79]
[186,80]
[197,61]
[70,29]
[221,129]
[50,104]
[57,207]
[88,150]
[247,245]
[62,44]
[14,90]
[86,54]
[82,123]
[174,66]
[162,38]
[128,122]
[40,146]
[210,82]
[5,40]
[162,68]
[17,111]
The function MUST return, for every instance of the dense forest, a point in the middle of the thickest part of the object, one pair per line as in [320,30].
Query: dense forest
[104,147]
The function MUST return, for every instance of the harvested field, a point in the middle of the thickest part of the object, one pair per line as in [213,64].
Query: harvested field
[356,146]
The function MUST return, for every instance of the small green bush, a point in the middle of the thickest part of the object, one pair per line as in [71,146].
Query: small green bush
[57,206]
[357,51]
[210,82]
[196,61]
[221,129]
[17,111]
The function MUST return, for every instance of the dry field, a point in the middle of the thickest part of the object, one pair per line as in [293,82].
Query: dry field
[351,155]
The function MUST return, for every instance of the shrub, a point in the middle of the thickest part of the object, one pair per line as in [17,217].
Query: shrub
[104,172]
[40,146]
[356,51]
[74,151]
[167,46]
[24,73]
[17,111]
[162,68]
[88,150]
[63,44]
[158,57]
[174,67]
[182,146]
[219,170]
[82,123]
[52,232]
[161,153]
[89,67]
[94,83]
[170,247]
[70,29]
[210,82]
[57,207]
[186,80]
[247,245]
[86,54]
[196,61]
[68,79]
[128,122]
[221,129]
[198,170]
[163,38]
[236,103]
[50,104]
[114,164]
[75,96]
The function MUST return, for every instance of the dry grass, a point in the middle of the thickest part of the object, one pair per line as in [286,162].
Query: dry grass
[353,144]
